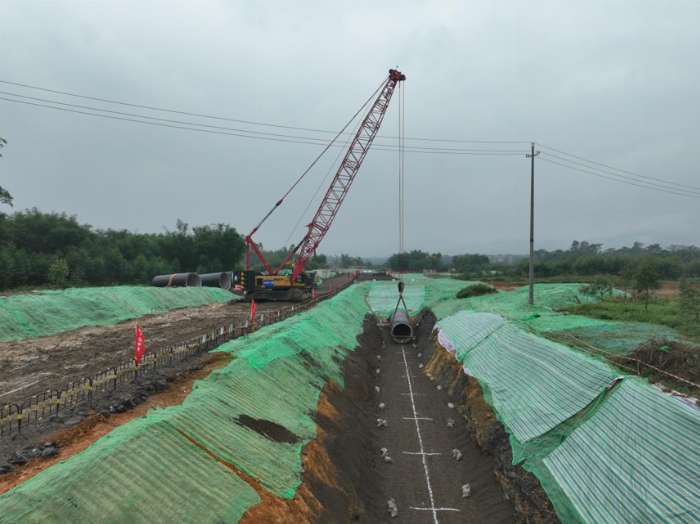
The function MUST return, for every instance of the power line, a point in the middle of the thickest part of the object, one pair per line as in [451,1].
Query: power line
[624,171]
[220,130]
[623,181]
[650,182]
[239,120]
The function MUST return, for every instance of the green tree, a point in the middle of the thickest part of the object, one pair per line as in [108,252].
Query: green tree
[58,272]
[416,260]
[601,287]
[470,264]
[646,280]
[347,261]
[5,196]
[690,298]
[317,262]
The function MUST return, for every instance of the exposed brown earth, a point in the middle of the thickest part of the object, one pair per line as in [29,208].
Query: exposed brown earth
[75,439]
[30,367]
[520,487]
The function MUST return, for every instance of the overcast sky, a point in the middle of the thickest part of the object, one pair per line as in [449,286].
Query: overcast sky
[611,81]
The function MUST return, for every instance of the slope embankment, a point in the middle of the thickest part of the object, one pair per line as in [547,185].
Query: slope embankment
[45,313]
[234,443]
[605,447]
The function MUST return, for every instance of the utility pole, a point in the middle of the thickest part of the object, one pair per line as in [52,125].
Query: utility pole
[531,276]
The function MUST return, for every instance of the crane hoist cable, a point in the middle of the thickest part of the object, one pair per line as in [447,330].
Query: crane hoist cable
[315,161]
[336,192]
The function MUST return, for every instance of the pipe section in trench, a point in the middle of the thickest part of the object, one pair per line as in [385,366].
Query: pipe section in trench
[401,327]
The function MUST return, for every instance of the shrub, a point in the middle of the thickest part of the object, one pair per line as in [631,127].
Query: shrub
[476,290]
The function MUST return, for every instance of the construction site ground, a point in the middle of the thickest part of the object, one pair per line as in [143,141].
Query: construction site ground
[32,366]
[432,456]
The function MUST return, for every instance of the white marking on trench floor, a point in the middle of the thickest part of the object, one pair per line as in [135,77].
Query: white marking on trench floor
[434,509]
[420,453]
[415,419]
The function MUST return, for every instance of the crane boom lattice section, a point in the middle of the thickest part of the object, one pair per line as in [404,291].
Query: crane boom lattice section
[347,171]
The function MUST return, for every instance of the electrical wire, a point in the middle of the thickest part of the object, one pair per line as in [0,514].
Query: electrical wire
[659,185]
[259,135]
[623,171]
[318,157]
[239,120]
[321,185]
[600,175]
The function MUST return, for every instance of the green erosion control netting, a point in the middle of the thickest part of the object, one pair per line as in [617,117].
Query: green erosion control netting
[544,317]
[144,471]
[604,451]
[464,330]
[636,460]
[614,337]
[533,384]
[255,414]
[46,313]
[419,292]
[383,296]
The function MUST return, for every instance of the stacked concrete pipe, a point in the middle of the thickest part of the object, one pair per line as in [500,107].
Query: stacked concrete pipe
[222,280]
[177,280]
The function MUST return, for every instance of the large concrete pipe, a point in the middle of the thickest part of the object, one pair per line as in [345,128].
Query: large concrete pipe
[222,280]
[401,327]
[177,280]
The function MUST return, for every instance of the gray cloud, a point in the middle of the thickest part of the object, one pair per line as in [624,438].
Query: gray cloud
[611,81]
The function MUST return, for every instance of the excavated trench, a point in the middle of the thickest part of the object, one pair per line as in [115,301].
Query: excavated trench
[440,436]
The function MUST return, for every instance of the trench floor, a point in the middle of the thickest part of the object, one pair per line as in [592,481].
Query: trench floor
[424,477]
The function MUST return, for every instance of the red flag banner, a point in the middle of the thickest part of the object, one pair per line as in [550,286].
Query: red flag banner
[252,310]
[139,344]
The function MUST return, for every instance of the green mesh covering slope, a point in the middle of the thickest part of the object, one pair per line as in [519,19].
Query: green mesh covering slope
[144,471]
[636,460]
[605,448]
[383,296]
[544,317]
[278,376]
[534,384]
[464,330]
[615,337]
[513,305]
[167,465]
[419,292]
[50,312]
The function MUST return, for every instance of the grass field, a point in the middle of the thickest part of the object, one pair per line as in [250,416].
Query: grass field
[664,311]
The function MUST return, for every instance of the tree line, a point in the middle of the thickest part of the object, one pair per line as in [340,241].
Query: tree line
[38,249]
[587,259]
[581,259]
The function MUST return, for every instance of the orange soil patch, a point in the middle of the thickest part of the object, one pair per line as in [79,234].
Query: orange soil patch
[317,465]
[668,289]
[504,286]
[75,440]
